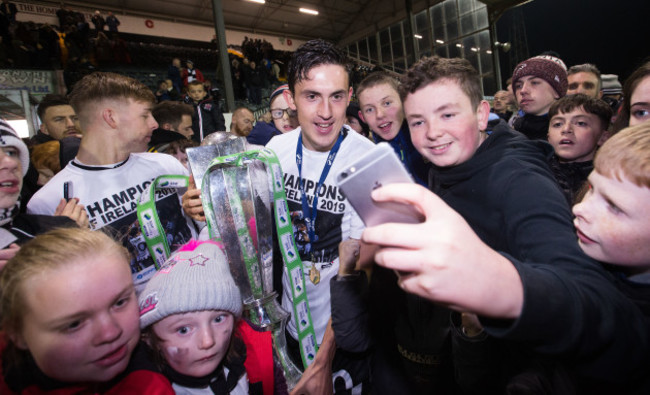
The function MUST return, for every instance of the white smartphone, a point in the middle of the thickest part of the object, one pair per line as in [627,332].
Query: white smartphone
[379,167]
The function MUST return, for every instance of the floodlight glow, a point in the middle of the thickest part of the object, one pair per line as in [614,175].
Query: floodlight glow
[440,41]
[258,1]
[308,11]
[417,36]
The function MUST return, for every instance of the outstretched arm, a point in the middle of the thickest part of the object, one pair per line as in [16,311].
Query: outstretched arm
[442,259]
[317,378]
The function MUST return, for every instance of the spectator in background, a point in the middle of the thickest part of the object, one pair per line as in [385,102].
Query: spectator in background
[612,93]
[254,79]
[275,71]
[354,120]
[500,105]
[174,131]
[266,117]
[585,79]
[191,74]
[103,50]
[174,74]
[120,50]
[9,11]
[173,93]
[538,82]
[6,57]
[83,27]
[237,79]
[242,122]
[99,21]
[611,87]
[47,48]
[66,17]
[284,119]
[58,120]
[207,117]
[112,22]
[174,123]
[162,94]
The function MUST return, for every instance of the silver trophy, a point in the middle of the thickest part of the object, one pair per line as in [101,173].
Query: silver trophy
[239,198]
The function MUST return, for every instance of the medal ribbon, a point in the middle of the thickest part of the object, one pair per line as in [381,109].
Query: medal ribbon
[152,230]
[309,215]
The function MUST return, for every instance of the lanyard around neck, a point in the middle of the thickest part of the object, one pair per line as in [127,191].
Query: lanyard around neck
[309,214]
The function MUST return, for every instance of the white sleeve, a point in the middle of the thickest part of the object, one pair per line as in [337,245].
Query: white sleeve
[44,201]
[356,225]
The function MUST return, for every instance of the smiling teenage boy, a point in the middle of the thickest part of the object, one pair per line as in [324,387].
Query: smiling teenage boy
[311,156]
[381,109]
[513,233]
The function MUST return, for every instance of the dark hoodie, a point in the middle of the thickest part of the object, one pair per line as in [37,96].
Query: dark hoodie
[535,127]
[485,189]
[507,194]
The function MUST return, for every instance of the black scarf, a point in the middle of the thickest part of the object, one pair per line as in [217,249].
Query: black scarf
[217,380]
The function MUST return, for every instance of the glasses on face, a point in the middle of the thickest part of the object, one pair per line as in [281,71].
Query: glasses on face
[279,113]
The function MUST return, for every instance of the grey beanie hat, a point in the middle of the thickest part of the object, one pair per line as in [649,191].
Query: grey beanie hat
[191,280]
[611,84]
[9,138]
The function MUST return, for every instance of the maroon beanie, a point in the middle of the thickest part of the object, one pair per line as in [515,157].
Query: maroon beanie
[549,68]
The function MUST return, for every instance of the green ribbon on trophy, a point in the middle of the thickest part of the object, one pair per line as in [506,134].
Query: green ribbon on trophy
[229,165]
[152,230]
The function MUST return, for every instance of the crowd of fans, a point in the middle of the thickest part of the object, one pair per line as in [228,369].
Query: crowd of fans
[80,49]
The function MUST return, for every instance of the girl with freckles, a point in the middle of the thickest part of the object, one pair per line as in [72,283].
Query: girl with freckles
[189,314]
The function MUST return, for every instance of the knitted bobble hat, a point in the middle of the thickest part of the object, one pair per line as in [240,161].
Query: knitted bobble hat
[549,68]
[194,278]
[9,138]
[278,91]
